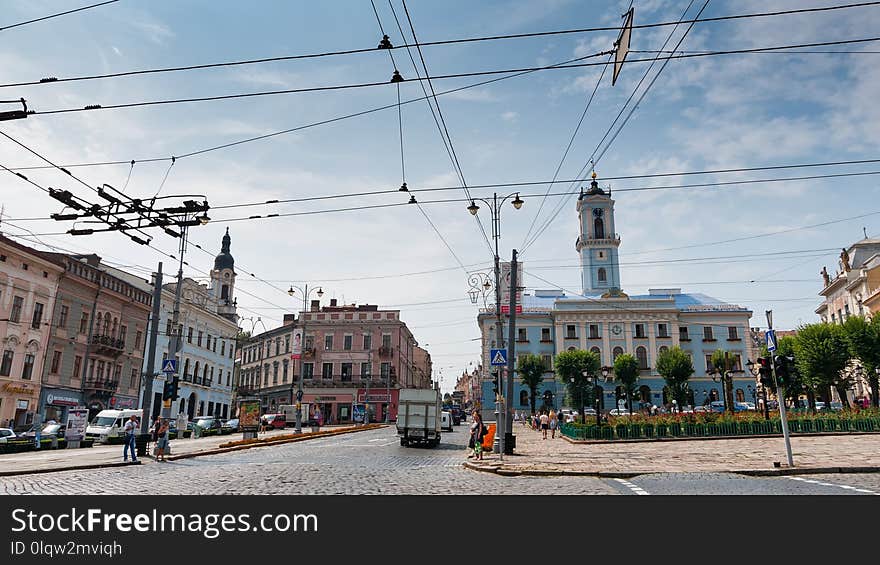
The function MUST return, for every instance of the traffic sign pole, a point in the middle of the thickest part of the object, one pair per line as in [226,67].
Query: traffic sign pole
[780,390]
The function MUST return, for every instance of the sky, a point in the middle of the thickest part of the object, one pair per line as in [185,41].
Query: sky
[701,113]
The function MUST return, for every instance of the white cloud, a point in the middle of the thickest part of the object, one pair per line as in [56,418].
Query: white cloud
[510,116]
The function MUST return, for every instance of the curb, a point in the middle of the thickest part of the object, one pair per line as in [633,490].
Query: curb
[707,438]
[73,468]
[508,472]
[220,450]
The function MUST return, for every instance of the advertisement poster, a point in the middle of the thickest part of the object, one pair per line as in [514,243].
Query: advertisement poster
[77,420]
[297,344]
[249,414]
[357,412]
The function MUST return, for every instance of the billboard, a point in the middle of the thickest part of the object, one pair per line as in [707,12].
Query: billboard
[249,415]
[77,420]
[297,347]
[505,287]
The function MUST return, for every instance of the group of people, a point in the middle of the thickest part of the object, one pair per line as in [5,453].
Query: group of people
[544,421]
[159,433]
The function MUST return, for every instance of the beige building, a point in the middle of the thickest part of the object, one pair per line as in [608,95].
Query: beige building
[854,287]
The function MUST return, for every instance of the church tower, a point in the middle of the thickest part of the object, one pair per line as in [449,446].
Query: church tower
[598,242]
[223,281]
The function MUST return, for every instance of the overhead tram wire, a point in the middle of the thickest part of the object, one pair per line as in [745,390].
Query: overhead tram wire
[162,102]
[593,160]
[56,15]
[53,80]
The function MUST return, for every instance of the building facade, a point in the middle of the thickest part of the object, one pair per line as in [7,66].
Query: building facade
[855,287]
[609,322]
[28,288]
[96,343]
[350,355]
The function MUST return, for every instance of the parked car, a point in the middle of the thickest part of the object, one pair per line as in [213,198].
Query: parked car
[208,422]
[702,409]
[231,425]
[6,434]
[445,421]
[273,421]
[619,412]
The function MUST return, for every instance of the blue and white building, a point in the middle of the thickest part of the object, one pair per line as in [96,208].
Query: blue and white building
[607,321]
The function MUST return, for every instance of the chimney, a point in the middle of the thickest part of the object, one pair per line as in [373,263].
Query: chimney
[289,319]
[332,302]
[316,306]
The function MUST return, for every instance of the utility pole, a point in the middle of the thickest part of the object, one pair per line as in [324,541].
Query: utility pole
[499,331]
[780,397]
[175,345]
[151,353]
[511,361]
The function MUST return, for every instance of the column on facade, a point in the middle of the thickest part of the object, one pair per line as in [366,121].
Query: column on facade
[652,345]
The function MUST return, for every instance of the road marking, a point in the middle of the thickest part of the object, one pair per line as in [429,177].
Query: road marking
[635,488]
[824,484]
[377,439]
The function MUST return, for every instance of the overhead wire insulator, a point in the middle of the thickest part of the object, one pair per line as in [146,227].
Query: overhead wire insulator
[396,77]
[385,43]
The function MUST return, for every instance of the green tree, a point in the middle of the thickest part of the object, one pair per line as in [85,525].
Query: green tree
[863,339]
[722,362]
[821,354]
[531,373]
[626,370]
[676,367]
[570,368]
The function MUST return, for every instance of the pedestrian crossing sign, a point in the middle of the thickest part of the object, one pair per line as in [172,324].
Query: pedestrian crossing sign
[169,366]
[770,336]
[498,357]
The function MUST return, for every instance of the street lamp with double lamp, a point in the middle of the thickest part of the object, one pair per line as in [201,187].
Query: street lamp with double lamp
[299,383]
[495,207]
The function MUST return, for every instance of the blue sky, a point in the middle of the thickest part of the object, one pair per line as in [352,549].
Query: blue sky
[702,113]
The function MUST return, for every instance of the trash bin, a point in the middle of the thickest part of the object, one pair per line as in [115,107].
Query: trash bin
[509,443]
[140,443]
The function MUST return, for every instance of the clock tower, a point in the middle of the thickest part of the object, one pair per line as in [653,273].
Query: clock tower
[223,281]
[597,243]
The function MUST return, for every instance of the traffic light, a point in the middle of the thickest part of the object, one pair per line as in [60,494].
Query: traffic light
[496,387]
[169,392]
[764,372]
[782,370]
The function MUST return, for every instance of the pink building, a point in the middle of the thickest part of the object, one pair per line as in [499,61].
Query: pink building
[28,287]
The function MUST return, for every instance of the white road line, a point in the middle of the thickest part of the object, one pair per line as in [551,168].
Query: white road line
[824,484]
[635,488]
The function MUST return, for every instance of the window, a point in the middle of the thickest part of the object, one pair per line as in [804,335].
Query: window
[122,332]
[598,228]
[284,370]
[77,366]
[386,341]
[642,356]
[683,333]
[594,331]
[38,316]
[640,330]
[846,310]
[28,366]
[309,342]
[707,334]
[84,323]
[277,345]
[545,334]
[663,349]
[732,333]
[385,370]
[275,373]
[56,362]
[133,378]
[222,347]
[189,335]
[523,398]
[210,408]
[570,332]
[6,365]
[346,342]
[268,348]
[327,371]
[709,367]
[366,371]
[286,344]
[266,374]
[548,362]
[602,275]
[597,351]
[308,370]
[62,318]
[617,351]
[521,334]
[328,342]
[137,340]
[346,372]
[168,327]
[737,363]
[368,342]
[24,266]
[15,314]
[662,330]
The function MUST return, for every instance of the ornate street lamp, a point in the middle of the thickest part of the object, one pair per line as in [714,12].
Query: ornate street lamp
[299,383]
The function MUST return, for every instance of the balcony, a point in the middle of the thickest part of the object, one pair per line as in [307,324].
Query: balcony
[101,386]
[106,345]
[385,351]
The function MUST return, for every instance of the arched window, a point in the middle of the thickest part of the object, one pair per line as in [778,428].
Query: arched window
[224,292]
[597,351]
[107,323]
[740,395]
[572,348]
[523,398]
[645,394]
[663,349]
[642,356]
[603,277]
[598,228]
[196,371]
[617,351]
[115,327]
[186,369]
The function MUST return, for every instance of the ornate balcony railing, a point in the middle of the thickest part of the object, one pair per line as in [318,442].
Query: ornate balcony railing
[107,345]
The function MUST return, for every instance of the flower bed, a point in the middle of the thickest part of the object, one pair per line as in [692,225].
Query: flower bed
[713,424]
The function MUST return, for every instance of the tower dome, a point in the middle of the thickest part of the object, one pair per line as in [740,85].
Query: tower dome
[224,260]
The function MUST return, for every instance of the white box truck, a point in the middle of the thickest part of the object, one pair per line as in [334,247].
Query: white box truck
[418,416]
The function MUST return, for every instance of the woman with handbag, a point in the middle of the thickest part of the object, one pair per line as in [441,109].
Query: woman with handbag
[478,431]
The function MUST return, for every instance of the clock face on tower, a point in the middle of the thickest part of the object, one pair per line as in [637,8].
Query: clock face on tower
[616,329]
[597,212]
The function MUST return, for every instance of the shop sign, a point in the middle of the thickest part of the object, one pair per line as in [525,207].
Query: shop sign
[325,399]
[57,400]
[122,403]
[11,388]
[375,397]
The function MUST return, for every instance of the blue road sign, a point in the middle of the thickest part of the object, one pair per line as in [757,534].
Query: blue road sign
[770,336]
[169,366]
[498,357]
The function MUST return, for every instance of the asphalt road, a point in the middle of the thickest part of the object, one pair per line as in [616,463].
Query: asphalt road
[374,463]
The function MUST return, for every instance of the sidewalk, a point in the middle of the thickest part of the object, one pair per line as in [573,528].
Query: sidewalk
[49,460]
[832,453]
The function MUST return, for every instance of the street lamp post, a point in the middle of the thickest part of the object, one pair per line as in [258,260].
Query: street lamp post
[495,208]
[299,383]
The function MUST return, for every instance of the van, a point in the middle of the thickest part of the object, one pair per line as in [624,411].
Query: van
[109,423]
[446,421]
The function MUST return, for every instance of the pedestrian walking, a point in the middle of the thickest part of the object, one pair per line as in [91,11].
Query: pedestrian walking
[128,432]
[545,424]
[554,423]
[478,432]
[154,429]
[162,441]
